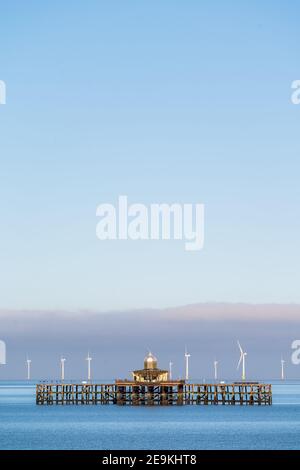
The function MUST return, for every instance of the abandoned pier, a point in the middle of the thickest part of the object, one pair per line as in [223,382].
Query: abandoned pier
[152,386]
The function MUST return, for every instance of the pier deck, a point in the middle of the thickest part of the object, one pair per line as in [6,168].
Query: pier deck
[150,394]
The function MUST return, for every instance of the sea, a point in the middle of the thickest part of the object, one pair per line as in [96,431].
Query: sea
[24,425]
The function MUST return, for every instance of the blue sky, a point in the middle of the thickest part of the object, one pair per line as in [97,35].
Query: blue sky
[164,101]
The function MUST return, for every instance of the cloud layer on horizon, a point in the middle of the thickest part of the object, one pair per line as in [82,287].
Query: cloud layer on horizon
[119,340]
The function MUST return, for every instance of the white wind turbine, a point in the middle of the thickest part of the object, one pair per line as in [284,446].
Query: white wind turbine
[282,369]
[216,369]
[243,361]
[187,356]
[170,370]
[28,362]
[89,366]
[62,367]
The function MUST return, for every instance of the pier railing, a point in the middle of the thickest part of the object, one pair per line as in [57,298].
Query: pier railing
[163,393]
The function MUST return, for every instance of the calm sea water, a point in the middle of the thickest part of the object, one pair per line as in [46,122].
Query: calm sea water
[23,425]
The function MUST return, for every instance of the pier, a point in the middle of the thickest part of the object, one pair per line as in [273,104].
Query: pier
[153,386]
[151,394]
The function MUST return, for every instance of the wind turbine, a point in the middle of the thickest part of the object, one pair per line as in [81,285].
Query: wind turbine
[28,362]
[187,356]
[216,370]
[170,370]
[62,368]
[242,360]
[282,369]
[89,366]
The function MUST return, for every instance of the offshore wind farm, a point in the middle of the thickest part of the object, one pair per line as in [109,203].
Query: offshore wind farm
[240,366]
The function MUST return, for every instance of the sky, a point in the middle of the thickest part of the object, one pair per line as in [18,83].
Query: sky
[162,101]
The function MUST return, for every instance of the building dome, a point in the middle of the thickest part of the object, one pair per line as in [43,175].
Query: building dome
[150,361]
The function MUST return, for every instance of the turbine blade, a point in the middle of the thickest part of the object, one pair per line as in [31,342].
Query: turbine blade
[239,363]
[240,347]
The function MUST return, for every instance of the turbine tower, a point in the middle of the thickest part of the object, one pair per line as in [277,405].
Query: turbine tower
[62,368]
[187,356]
[282,369]
[216,370]
[243,361]
[89,366]
[170,370]
[28,362]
